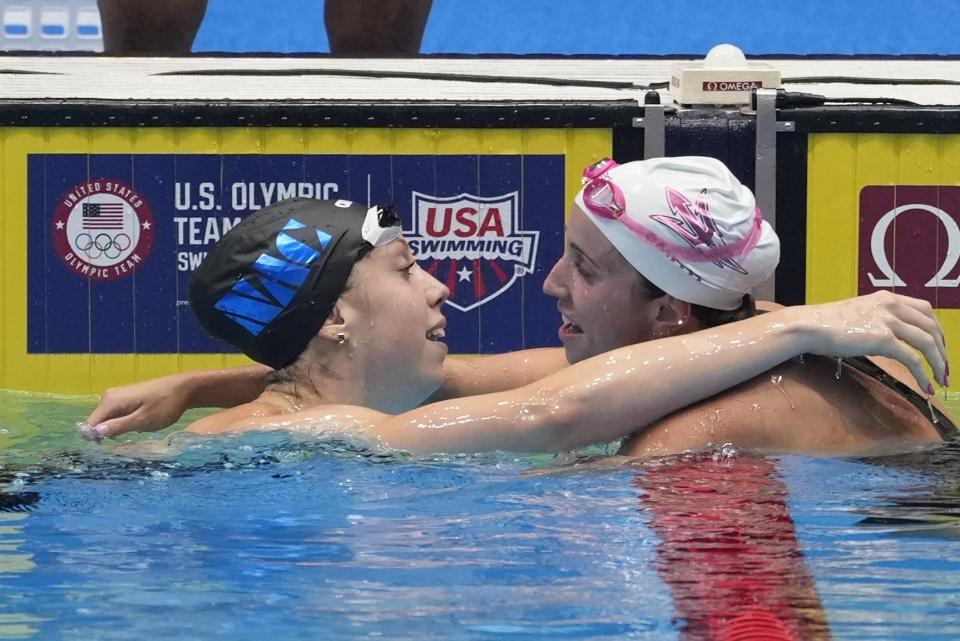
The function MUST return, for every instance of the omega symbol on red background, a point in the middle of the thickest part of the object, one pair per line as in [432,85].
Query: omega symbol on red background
[879,251]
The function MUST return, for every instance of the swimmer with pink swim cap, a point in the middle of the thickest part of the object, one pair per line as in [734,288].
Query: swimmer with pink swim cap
[708,227]
[686,225]
[670,246]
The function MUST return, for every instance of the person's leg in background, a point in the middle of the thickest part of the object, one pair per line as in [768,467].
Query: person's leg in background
[354,27]
[376,27]
[165,27]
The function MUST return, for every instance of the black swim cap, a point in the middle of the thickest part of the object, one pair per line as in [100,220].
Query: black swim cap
[270,282]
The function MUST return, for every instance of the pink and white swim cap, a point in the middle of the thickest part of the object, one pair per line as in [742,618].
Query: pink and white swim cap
[686,224]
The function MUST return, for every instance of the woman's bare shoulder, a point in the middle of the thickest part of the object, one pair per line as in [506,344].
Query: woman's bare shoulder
[260,415]
[233,419]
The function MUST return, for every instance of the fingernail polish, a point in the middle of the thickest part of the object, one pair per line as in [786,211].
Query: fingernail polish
[946,368]
[85,430]
[930,389]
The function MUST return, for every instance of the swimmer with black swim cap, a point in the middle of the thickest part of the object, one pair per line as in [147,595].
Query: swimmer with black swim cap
[330,292]
[273,287]
[272,283]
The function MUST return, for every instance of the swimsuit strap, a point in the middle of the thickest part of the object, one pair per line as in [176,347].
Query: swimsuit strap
[943,423]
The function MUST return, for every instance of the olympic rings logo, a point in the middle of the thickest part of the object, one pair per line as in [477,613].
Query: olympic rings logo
[102,229]
[102,245]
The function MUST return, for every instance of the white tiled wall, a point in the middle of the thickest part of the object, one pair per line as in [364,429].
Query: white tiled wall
[50,25]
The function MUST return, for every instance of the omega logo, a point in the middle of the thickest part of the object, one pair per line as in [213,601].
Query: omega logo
[731,85]
[877,248]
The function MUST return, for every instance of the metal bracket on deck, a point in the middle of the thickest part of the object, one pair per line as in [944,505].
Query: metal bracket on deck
[654,123]
[765,177]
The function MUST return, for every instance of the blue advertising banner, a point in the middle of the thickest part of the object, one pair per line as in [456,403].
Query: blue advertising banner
[114,238]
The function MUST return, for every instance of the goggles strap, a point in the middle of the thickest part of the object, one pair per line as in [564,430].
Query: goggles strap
[595,180]
[381,226]
[699,253]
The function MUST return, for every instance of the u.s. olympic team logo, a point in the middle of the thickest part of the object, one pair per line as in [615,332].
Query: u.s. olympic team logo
[473,244]
[103,229]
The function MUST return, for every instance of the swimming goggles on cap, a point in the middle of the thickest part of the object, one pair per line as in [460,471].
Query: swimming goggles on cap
[606,200]
[382,225]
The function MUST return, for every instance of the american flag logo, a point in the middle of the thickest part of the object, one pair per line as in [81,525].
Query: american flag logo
[103,215]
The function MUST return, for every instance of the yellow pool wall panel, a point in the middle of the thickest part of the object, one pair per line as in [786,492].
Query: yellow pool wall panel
[839,167]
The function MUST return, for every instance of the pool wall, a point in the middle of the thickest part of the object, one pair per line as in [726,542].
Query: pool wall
[119,174]
[904,189]
[85,308]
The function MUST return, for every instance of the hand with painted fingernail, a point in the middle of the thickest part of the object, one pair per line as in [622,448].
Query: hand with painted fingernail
[153,405]
[881,324]
[90,432]
[140,407]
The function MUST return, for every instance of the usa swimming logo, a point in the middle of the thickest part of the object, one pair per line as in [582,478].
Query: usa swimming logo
[473,244]
[103,229]
[257,299]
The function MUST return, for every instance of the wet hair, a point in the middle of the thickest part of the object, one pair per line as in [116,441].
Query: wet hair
[708,316]
[283,376]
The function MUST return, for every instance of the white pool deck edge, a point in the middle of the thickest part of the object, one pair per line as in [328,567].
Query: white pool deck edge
[143,79]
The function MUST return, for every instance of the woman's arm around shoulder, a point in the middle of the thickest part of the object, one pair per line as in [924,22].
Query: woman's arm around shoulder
[610,395]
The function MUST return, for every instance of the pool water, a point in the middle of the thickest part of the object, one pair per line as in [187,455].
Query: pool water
[284,537]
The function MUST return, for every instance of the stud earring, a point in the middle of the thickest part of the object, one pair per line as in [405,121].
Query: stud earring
[680,323]
[341,338]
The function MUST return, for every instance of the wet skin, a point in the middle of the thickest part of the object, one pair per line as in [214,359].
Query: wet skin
[380,348]
[801,408]
[598,294]
[602,398]
[388,367]
[807,409]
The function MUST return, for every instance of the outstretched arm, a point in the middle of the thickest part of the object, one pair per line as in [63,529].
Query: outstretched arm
[158,403]
[473,375]
[608,396]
